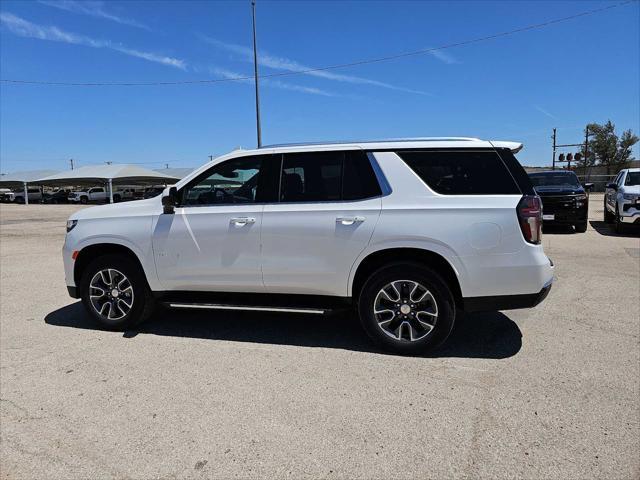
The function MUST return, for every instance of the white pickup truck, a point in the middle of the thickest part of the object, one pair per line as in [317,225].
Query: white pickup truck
[94,195]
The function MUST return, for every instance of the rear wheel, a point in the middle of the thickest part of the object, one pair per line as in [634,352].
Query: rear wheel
[115,292]
[407,308]
[84,200]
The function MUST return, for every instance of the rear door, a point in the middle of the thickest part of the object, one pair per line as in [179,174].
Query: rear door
[329,203]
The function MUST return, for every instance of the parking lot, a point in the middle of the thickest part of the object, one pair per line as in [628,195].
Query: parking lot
[552,392]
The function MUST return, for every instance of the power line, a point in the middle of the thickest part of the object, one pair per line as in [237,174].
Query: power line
[336,66]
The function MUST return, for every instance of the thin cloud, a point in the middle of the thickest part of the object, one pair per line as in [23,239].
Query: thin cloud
[93,9]
[444,57]
[543,111]
[271,83]
[24,28]
[281,63]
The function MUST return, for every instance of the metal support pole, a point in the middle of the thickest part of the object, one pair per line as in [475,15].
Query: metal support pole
[26,194]
[553,164]
[255,71]
[110,190]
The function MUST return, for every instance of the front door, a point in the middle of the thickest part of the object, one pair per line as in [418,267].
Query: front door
[329,205]
[212,242]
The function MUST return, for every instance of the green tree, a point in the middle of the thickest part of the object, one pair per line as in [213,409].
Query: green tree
[607,148]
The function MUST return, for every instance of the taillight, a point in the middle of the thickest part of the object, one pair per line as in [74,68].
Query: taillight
[530,217]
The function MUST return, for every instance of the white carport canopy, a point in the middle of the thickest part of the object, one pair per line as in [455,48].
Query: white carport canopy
[113,174]
[22,179]
[175,172]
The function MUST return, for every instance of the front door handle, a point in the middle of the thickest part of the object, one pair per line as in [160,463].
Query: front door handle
[242,221]
[349,220]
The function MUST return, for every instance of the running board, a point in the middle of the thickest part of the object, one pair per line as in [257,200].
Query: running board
[214,306]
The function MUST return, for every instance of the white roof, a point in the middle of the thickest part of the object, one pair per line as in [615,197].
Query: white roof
[398,143]
[17,179]
[118,173]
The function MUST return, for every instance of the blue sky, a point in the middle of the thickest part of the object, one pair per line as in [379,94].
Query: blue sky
[512,88]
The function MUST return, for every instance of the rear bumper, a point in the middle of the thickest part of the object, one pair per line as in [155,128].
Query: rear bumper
[506,302]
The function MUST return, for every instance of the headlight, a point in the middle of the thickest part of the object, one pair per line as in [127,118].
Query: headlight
[629,196]
[581,198]
[71,224]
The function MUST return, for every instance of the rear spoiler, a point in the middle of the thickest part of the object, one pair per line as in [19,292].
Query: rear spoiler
[515,147]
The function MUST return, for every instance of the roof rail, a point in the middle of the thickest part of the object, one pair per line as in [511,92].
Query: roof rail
[386,140]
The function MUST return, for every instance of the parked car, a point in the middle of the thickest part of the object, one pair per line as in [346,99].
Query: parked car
[564,200]
[5,194]
[408,233]
[151,192]
[622,199]
[94,195]
[59,196]
[17,196]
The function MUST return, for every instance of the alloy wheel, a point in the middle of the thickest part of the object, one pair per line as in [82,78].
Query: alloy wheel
[111,294]
[405,310]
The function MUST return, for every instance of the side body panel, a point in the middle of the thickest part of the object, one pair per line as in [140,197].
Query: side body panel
[479,235]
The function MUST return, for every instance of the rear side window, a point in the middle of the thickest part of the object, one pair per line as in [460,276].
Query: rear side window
[327,177]
[359,179]
[462,172]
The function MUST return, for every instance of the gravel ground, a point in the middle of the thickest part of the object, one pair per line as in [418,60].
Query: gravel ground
[551,392]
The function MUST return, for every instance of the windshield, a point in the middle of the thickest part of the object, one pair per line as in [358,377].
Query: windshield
[554,179]
[633,178]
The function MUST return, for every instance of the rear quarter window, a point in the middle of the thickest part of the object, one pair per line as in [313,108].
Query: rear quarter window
[462,172]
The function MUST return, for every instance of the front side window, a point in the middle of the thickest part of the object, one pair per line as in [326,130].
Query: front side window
[461,172]
[231,182]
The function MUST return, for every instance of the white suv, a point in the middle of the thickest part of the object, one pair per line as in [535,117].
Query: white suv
[409,232]
[622,199]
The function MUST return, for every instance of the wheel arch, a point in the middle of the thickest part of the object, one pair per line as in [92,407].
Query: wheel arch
[93,251]
[433,260]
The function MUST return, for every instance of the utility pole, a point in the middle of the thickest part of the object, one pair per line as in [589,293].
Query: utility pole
[255,72]
[71,162]
[166,165]
[210,158]
[553,167]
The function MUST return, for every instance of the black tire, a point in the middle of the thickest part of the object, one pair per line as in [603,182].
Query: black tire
[19,200]
[431,281]
[116,199]
[608,216]
[84,200]
[143,302]
[619,226]
[581,227]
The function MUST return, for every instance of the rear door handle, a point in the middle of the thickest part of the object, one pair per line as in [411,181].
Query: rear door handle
[242,221]
[349,220]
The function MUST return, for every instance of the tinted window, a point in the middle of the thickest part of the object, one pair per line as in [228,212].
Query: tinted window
[559,179]
[233,181]
[311,177]
[97,190]
[461,172]
[633,178]
[359,180]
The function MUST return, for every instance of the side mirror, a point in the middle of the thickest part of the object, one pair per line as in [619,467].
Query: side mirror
[588,187]
[613,186]
[169,201]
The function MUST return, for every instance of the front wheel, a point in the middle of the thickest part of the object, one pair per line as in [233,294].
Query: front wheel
[115,292]
[84,200]
[608,216]
[407,308]
[581,227]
